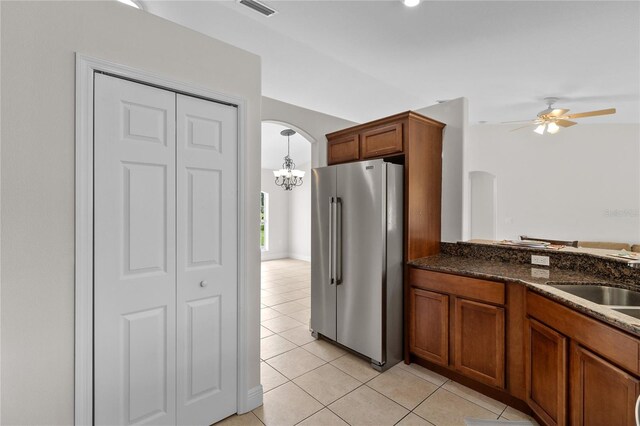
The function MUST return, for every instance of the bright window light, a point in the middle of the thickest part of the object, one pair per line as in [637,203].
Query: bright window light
[264,221]
[411,3]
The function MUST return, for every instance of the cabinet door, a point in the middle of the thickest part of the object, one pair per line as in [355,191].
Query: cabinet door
[479,341]
[546,372]
[384,140]
[601,393]
[344,149]
[429,326]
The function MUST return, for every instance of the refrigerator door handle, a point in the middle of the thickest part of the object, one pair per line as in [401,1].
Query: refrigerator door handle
[338,241]
[331,240]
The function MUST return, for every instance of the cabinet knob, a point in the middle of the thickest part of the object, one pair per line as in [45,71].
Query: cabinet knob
[203,284]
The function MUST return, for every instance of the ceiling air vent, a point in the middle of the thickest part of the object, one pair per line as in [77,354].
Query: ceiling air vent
[258,7]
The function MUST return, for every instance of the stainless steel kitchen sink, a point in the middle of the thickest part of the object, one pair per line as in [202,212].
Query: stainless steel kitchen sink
[633,312]
[603,295]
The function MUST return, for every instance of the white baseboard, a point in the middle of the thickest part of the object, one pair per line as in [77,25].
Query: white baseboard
[266,255]
[300,257]
[254,400]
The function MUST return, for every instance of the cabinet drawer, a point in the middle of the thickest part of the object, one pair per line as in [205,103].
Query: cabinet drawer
[614,345]
[470,288]
[383,140]
[343,149]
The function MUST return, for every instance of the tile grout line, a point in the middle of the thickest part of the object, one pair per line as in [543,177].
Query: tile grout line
[468,400]
[365,383]
[484,408]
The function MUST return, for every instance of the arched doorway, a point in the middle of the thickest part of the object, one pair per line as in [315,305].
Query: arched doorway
[285,215]
[286,252]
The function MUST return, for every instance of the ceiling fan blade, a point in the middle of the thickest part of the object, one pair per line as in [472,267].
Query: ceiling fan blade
[523,127]
[558,112]
[592,113]
[565,123]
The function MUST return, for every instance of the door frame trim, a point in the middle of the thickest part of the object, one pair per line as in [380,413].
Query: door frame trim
[86,66]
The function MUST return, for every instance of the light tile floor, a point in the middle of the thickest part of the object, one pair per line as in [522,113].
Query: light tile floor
[314,383]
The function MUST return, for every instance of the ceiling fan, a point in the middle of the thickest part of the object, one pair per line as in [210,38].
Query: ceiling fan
[552,119]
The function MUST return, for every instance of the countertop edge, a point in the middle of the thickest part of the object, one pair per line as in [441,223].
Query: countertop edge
[599,312]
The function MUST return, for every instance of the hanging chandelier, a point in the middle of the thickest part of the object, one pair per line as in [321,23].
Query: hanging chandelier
[288,177]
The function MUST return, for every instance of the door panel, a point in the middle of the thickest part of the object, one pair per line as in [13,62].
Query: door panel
[362,219]
[204,217]
[323,288]
[144,339]
[344,149]
[591,405]
[429,326]
[203,347]
[145,217]
[207,260]
[134,249]
[384,140]
[546,372]
[479,349]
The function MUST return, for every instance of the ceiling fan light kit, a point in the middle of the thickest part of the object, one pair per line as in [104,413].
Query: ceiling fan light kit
[553,128]
[552,119]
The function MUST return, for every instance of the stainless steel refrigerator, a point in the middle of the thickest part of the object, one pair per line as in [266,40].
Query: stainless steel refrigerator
[356,258]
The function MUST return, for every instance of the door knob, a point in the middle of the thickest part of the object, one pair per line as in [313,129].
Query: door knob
[203,283]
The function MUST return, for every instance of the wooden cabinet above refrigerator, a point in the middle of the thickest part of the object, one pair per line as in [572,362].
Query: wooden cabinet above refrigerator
[415,141]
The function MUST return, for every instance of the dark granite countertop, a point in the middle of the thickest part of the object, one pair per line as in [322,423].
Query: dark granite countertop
[535,278]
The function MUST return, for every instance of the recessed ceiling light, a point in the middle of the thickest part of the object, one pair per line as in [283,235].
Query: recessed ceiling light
[130,3]
[411,3]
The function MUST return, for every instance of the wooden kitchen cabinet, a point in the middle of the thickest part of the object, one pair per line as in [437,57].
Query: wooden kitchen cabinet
[383,140]
[549,360]
[344,149]
[459,323]
[390,136]
[429,328]
[546,372]
[601,393]
[479,350]
[414,141]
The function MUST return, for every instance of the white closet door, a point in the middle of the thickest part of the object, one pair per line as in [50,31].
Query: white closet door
[206,170]
[134,265]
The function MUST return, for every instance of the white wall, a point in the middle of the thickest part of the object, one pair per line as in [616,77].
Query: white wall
[38,43]
[0,221]
[300,218]
[454,114]
[277,218]
[582,183]
[311,124]
[289,222]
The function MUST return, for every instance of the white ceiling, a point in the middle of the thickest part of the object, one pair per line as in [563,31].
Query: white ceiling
[362,60]
[274,147]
